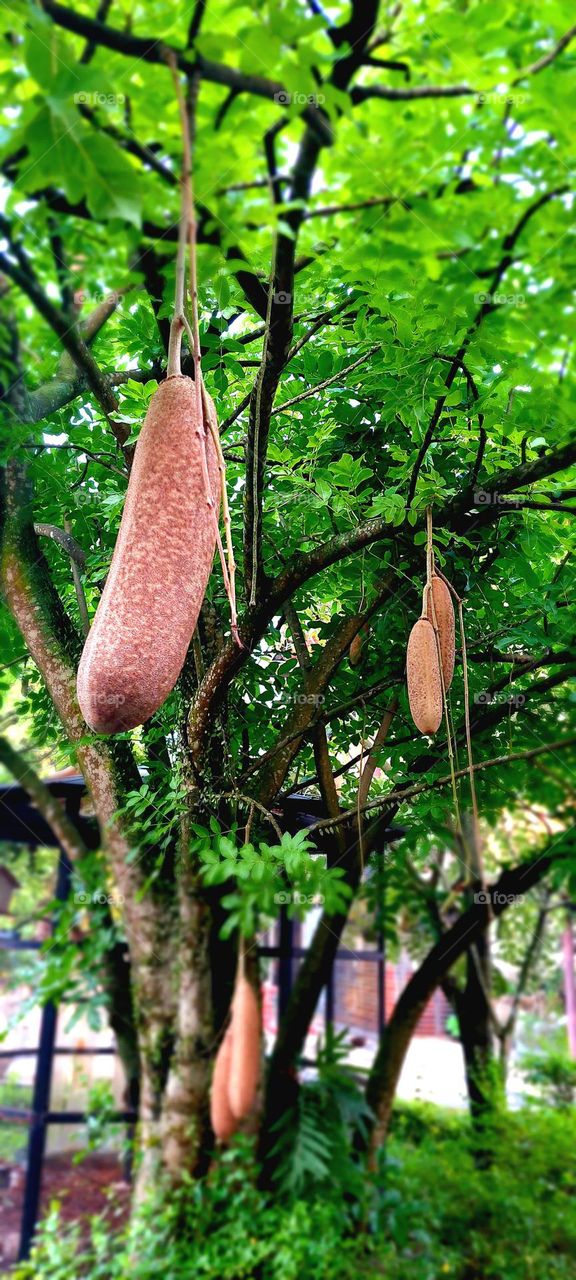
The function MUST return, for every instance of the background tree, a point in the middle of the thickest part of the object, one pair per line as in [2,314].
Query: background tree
[386,261]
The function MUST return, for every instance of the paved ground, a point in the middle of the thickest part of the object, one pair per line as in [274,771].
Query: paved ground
[434,1072]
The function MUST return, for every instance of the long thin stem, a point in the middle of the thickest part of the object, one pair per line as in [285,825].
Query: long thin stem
[359,804]
[429,548]
[201,433]
[79,588]
[475,817]
[429,592]
[229,570]
[189,224]
[475,814]
[204,417]
[175,341]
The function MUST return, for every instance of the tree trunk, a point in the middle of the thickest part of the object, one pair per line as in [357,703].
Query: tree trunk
[476,1034]
[569,984]
[185,1125]
[395,1039]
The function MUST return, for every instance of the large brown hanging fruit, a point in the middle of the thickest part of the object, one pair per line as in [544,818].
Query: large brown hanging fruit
[161,564]
[423,677]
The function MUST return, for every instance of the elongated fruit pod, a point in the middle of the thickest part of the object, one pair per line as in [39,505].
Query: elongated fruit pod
[446,625]
[357,645]
[355,651]
[222,1118]
[245,1057]
[423,676]
[149,608]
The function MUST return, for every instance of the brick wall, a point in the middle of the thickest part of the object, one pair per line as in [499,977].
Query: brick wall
[356,996]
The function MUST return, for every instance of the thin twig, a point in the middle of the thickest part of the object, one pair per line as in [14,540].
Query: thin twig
[402,794]
[79,589]
[252,803]
[64,539]
[320,386]
[229,569]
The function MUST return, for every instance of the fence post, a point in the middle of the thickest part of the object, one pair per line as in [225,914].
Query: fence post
[41,1095]
[285,948]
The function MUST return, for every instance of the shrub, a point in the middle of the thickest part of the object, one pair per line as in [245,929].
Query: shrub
[431,1212]
[554,1074]
[222,1229]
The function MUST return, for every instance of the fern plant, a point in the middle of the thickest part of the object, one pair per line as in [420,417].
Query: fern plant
[314,1148]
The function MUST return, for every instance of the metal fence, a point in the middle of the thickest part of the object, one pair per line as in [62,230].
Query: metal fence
[21,823]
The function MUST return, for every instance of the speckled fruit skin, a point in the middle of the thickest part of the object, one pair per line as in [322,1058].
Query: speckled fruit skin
[222,1118]
[245,1057]
[445,622]
[423,677]
[149,608]
[355,650]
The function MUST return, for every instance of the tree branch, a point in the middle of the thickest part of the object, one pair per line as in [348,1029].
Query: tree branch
[527,962]
[455,515]
[279,322]
[547,58]
[317,677]
[321,386]
[74,344]
[397,1035]
[486,307]
[64,540]
[362,93]
[150,49]
[401,794]
[353,35]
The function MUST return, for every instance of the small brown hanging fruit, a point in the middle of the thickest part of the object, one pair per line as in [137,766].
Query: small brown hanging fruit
[423,677]
[222,1118]
[245,1056]
[355,650]
[149,608]
[446,625]
[357,646]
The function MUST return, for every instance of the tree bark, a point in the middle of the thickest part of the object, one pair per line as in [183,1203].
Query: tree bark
[475,1033]
[569,984]
[109,770]
[397,1034]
